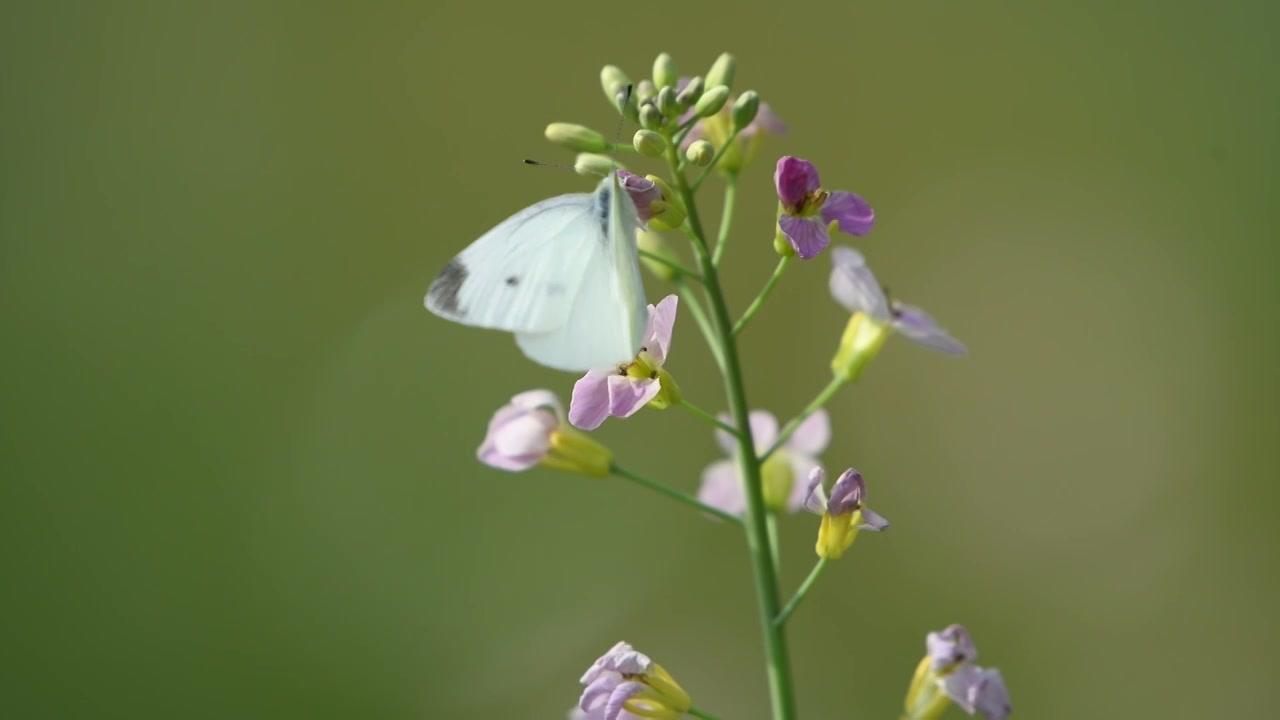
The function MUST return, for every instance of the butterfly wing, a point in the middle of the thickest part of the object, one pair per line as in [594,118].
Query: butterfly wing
[523,275]
[607,319]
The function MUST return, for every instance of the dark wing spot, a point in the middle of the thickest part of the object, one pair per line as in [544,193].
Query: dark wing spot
[444,291]
[513,281]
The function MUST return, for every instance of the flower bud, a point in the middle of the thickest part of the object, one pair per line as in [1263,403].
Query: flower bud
[721,73]
[576,137]
[666,216]
[863,336]
[645,91]
[711,101]
[595,164]
[614,81]
[664,71]
[700,153]
[745,109]
[648,142]
[653,243]
[691,92]
[650,117]
[667,102]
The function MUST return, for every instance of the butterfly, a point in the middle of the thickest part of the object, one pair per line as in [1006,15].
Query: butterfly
[562,275]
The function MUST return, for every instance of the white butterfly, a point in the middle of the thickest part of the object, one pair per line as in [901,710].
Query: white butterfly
[561,274]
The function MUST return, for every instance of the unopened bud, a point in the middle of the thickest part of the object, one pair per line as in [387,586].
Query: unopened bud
[650,118]
[667,101]
[648,142]
[700,153]
[576,137]
[745,109]
[614,81]
[594,164]
[645,91]
[690,94]
[664,71]
[721,73]
[711,101]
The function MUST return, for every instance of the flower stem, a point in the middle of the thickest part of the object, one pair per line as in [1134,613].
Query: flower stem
[699,714]
[680,269]
[764,294]
[775,547]
[726,218]
[708,417]
[700,318]
[789,429]
[805,587]
[673,494]
[781,690]
[706,171]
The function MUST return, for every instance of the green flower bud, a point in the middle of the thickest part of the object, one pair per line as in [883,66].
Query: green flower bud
[667,102]
[690,94]
[645,92]
[711,101]
[664,71]
[650,118]
[700,153]
[614,81]
[576,137]
[721,72]
[648,142]
[745,109]
[593,164]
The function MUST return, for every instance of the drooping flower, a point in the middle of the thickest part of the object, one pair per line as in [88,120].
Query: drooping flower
[623,390]
[948,674]
[626,685]
[808,214]
[843,514]
[656,204]
[721,486]
[531,430]
[874,316]
[718,128]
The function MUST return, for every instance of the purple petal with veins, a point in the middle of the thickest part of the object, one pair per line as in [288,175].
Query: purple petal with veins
[794,179]
[852,212]
[847,493]
[915,325]
[807,236]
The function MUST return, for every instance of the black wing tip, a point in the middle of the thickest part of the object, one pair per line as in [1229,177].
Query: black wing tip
[443,293]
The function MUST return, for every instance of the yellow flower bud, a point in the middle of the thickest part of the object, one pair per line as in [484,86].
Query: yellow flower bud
[576,137]
[700,153]
[664,71]
[648,142]
[721,73]
[711,101]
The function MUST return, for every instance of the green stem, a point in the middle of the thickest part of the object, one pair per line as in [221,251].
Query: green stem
[700,319]
[700,714]
[708,417]
[805,587]
[673,494]
[789,429]
[680,269]
[775,547]
[726,217]
[715,159]
[781,690]
[756,304]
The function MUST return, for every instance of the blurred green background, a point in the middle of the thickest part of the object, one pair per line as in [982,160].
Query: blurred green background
[237,454]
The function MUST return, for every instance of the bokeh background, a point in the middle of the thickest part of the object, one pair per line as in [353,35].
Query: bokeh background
[237,454]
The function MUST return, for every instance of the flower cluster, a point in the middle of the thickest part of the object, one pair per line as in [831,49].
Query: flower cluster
[698,127]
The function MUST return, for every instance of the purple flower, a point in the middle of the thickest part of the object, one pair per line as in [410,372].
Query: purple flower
[843,514]
[530,430]
[808,211]
[722,484]
[855,287]
[948,674]
[623,390]
[625,685]
[643,191]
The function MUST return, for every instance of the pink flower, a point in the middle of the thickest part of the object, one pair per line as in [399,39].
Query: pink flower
[531,430]
[623,390]
[722,484]
[808,210]
[843,514]
[626,685]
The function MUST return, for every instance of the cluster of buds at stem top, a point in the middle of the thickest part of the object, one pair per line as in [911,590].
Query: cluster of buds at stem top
[665,101]
[948,674]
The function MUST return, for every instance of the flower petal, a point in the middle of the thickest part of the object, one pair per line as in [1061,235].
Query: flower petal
[813,435]
[589,404]
[533,399]
[801,467]
[815,498]
[627,395]
[847,493]
[721,488]
[764,429]
[766,120]
[852,212]
[915,325]
[728,443]
[794,179]
[643,193]
[854,286]
[807,236]
[662,323]
[613,709]
[978,690]
[871,521]
[951,645]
